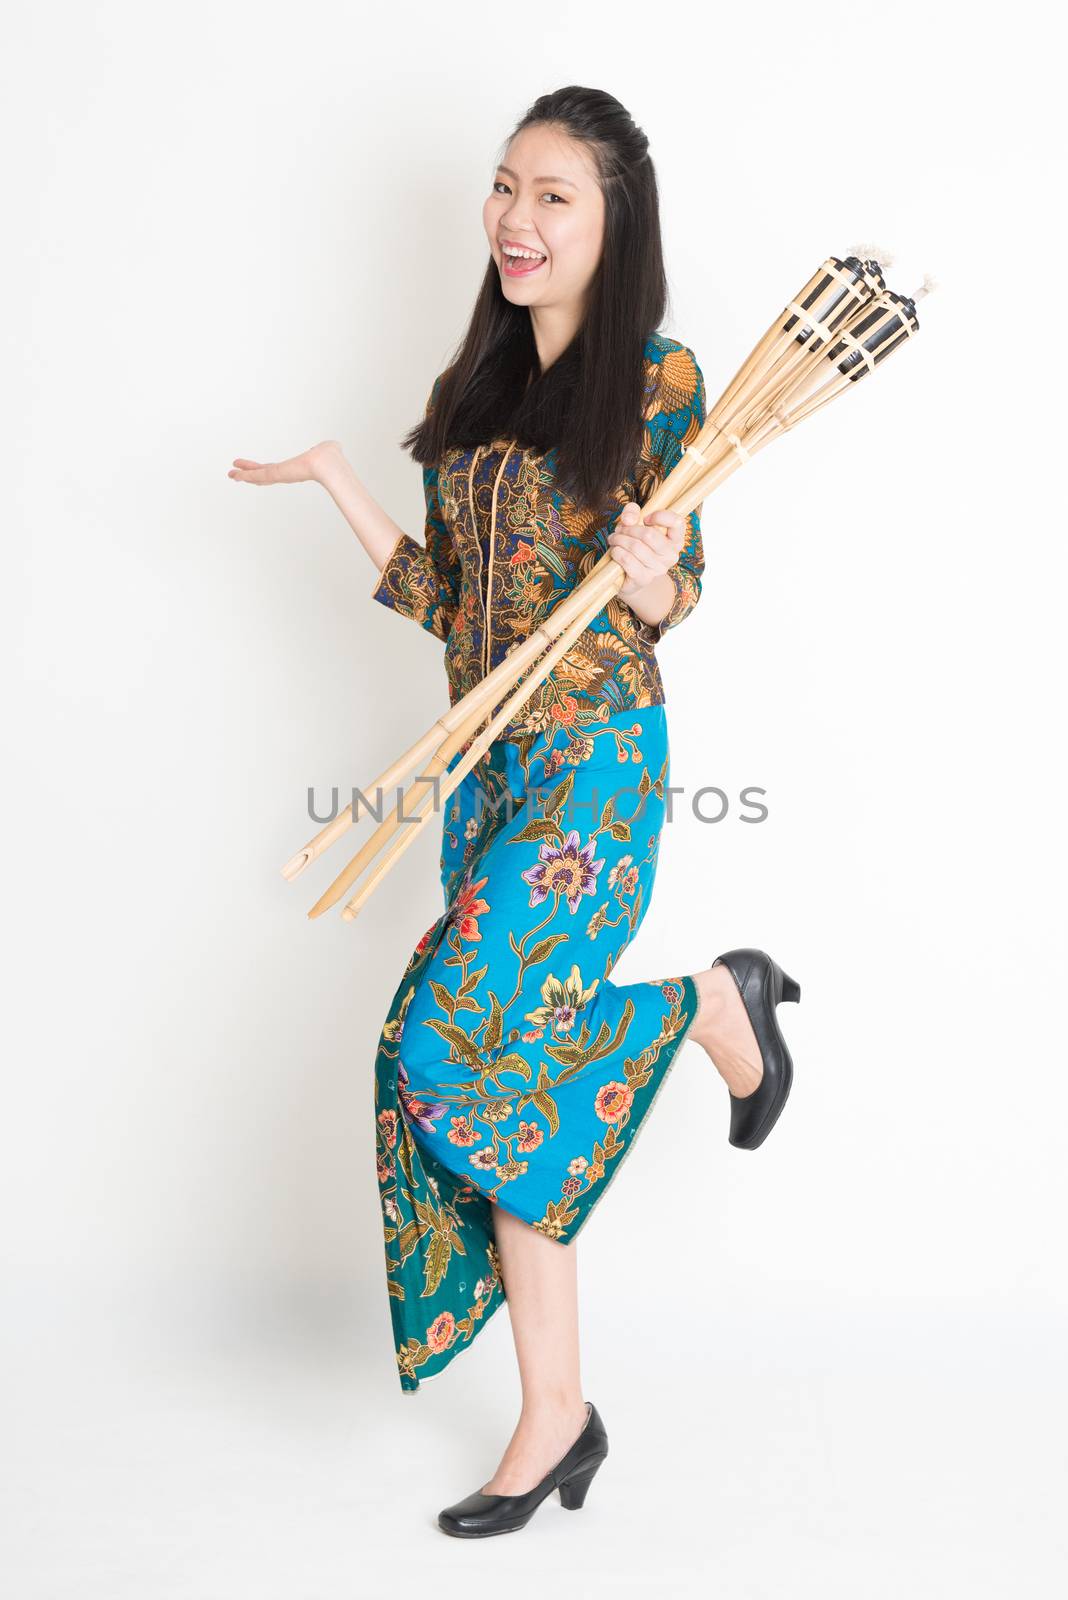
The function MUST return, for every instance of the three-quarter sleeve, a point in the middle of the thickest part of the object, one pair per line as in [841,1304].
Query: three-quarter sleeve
[674,418]
[422,581]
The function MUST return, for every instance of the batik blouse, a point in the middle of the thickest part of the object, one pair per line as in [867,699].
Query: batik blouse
[503,545]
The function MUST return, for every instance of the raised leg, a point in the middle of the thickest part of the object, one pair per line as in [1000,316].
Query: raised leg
[723,1029]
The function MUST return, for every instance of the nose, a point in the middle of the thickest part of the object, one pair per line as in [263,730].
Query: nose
[515,225]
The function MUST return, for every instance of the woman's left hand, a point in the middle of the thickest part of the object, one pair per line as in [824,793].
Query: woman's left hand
[645,547]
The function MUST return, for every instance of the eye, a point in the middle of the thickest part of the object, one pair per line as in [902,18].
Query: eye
[500,184]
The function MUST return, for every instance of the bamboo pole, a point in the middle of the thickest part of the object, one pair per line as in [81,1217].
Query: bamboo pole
[760,382]
[846,319]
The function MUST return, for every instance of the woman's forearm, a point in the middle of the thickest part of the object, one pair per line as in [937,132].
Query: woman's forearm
[653,602]
[372,525]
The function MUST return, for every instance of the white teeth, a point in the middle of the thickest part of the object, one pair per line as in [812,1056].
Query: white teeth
[522,255]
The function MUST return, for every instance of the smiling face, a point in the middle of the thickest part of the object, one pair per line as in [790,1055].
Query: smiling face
[545,198]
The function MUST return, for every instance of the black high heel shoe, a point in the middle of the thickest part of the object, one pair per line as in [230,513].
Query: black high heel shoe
[762,984]
[482,1514]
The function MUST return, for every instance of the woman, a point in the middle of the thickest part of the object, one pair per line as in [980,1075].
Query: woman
[512,1075]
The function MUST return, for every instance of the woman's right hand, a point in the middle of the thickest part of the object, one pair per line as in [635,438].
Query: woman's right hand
[326,463]
[308,467]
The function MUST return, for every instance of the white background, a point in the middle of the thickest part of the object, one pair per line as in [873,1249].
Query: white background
[830,1367]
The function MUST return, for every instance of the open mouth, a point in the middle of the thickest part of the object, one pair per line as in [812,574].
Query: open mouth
[520,266]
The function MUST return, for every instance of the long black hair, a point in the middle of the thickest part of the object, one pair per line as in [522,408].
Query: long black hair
[588,405]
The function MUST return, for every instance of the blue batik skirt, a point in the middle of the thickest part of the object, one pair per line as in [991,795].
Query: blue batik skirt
[511,1070]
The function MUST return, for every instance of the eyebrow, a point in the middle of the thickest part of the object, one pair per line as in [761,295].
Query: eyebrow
[549,179]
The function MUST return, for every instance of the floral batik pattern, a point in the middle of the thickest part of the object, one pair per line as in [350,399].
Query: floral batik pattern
[512,1072]
[503,546]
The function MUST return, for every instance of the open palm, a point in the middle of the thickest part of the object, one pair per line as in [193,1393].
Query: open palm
[297,469]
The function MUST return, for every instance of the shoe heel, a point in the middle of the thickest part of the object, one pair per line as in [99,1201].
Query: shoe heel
[791,989]
[573,1490]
